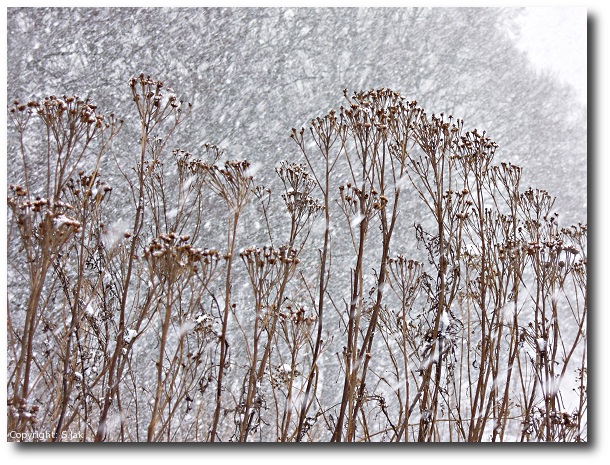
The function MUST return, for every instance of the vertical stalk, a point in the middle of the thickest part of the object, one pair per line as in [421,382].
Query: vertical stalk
[232,231]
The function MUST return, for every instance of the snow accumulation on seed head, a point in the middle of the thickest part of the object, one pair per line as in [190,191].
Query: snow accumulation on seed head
[130,334]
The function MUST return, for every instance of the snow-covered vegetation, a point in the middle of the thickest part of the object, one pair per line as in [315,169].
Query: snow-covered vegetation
[385,276]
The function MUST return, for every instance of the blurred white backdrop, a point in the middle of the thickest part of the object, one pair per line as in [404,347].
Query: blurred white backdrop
[555,38]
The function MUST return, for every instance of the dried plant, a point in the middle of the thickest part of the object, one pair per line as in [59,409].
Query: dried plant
[353,323]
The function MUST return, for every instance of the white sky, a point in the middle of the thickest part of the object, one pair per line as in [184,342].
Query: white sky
[555,38]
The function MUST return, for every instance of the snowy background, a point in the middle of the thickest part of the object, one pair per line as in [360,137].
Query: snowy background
[254,74]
